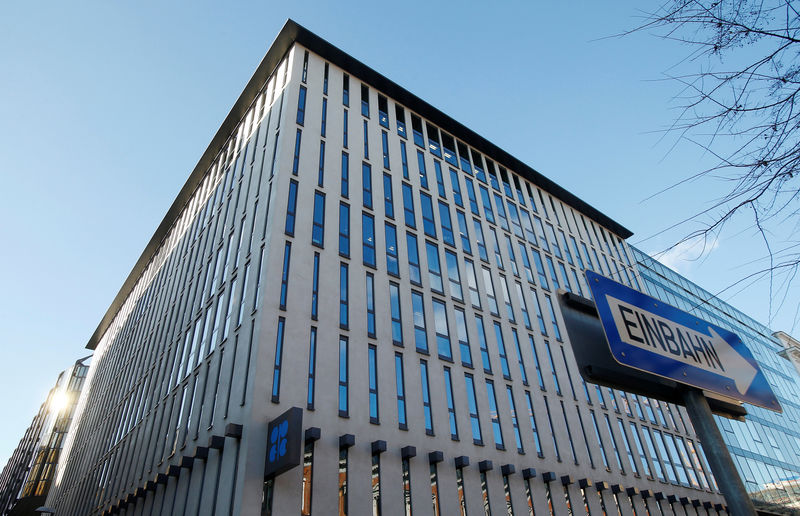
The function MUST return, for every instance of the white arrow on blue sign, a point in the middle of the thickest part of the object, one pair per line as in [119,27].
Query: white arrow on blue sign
[653,337]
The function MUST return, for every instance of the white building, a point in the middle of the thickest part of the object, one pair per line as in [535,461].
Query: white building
[344,247]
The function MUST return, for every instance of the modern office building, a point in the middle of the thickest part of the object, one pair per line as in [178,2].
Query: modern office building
[345,248]
[766,446]
[26,478]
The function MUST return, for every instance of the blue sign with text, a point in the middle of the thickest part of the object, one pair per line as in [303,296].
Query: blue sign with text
[653,337]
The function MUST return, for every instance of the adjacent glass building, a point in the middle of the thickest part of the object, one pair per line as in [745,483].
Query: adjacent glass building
[346,248]
[766,446]
[26,478]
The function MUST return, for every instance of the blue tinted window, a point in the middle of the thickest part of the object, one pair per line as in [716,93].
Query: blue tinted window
[521,364]
[291,208]
[472,403]
[420,336]
[501,348]
[514,421]
[343,377]
[401,390]
[537,363]
[456,188]
[321,171]
[515,222]
[385,146]
[315,288]
[451,407]
[479,239]
[448,149]
[312,366]
[495,415]
[477,160]
[553,276]
[433,141]
[564,276]
[296,160]
[413,259]
[536,440]
[526,262]
[301,105]
[366,178]
[383,108]
[447,224]
[442,330]
[365,100]
[397,322]
[344,229]
[553,319]
[537,258]
[388,203]
[588,258]
[473,201]
[416,128]
[426,397]
[526,221]
[566,247]
[434,268]
[487,204]
[366,141]
[346,90]
[373,383]
[423,174]
[464,158]
[463,337]
[453,275]
[537,224]
[276,369]
[400,114]
[408,206]
[324,124]
[287,257]
[487,365]
[368,232]
[501,212]
[345,175]
[344,315]
[318,227]
[370,305]
[404,159]
[439,178]
[428,223]
[463,231]
[392,263]
[344,128]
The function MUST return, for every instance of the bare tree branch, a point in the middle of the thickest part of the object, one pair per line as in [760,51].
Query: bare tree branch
[740,105]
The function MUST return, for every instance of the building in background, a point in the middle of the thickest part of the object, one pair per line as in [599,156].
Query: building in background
[26,478]
[766,446]
[346,248]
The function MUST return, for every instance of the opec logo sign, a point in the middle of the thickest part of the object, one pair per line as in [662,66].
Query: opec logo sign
[285,435]
[278,441]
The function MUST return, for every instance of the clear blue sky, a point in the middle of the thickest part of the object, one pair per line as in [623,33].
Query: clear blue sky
[107,106]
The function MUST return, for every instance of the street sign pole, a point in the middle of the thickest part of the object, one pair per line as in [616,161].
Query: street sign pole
[728,480]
